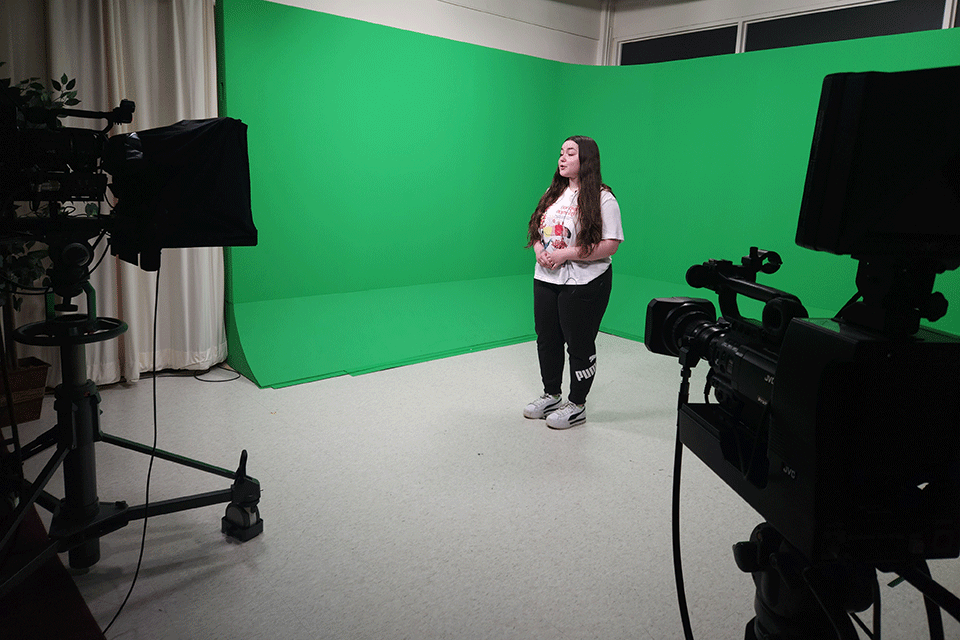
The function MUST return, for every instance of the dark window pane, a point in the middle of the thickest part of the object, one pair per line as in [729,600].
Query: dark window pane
[682,46]
[886,18]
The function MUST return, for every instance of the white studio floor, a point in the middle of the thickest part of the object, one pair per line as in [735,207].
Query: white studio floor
[418,503]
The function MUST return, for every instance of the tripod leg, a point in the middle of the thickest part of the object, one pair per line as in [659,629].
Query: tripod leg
[34,490]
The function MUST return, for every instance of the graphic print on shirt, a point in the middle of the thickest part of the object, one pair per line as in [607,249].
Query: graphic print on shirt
[556,227]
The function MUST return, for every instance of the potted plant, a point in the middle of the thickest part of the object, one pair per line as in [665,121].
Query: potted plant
[22,261]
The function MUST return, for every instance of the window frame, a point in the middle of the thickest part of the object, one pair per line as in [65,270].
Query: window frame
[951,19]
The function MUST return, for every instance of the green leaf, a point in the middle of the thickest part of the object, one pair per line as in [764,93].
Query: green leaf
[64,79]
[71,84]
[92,209]
[71,102]
[36,86]
[56,85]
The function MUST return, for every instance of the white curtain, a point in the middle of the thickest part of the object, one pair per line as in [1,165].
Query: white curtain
[160,54]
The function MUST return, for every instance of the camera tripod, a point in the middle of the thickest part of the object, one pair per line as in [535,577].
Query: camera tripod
[800,600]
[796,600]
[79,518]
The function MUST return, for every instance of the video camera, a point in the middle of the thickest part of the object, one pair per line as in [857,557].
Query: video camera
[184,185]
[843,433]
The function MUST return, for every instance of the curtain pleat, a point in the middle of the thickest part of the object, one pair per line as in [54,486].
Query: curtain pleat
[160,54]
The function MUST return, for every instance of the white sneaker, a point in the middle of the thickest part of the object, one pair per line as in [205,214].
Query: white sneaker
[540,407]
[569,415]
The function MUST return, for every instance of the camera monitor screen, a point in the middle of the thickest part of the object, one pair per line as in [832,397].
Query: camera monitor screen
[883,180]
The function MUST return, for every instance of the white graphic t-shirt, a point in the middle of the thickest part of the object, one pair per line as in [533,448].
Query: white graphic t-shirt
[559,228]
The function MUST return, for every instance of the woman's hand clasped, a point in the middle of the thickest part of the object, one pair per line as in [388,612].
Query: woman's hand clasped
[551,260]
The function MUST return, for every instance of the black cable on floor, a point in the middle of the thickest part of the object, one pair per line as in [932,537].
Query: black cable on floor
[146,505]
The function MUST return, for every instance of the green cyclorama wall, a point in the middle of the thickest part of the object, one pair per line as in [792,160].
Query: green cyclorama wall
[393,174]
[387,169]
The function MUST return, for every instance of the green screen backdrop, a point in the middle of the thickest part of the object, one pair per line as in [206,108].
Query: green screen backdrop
[393,175]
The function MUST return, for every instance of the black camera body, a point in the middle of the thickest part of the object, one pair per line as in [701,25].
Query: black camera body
[845,441]
[43,161]
[864,444]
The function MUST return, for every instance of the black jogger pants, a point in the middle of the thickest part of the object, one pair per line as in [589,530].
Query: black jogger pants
[570,314]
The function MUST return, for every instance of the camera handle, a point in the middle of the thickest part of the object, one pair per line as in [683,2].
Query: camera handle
[728,281]
[122,114]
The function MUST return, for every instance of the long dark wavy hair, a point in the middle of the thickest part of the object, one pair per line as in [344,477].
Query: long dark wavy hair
[588,200]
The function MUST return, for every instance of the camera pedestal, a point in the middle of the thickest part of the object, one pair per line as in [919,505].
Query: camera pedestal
[80,519]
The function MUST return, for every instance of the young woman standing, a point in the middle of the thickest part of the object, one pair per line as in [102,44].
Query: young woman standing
[574,230]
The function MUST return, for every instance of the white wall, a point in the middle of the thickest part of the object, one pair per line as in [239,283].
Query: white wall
[564,30]
[576,31]
[636,19]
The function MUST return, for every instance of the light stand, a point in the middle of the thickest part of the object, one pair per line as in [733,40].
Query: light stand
[79,518]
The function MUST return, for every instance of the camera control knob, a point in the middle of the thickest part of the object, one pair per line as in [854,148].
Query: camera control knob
[747,556]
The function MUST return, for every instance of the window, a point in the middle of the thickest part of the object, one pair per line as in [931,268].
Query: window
[864,21]
[680,46]
[826,25]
